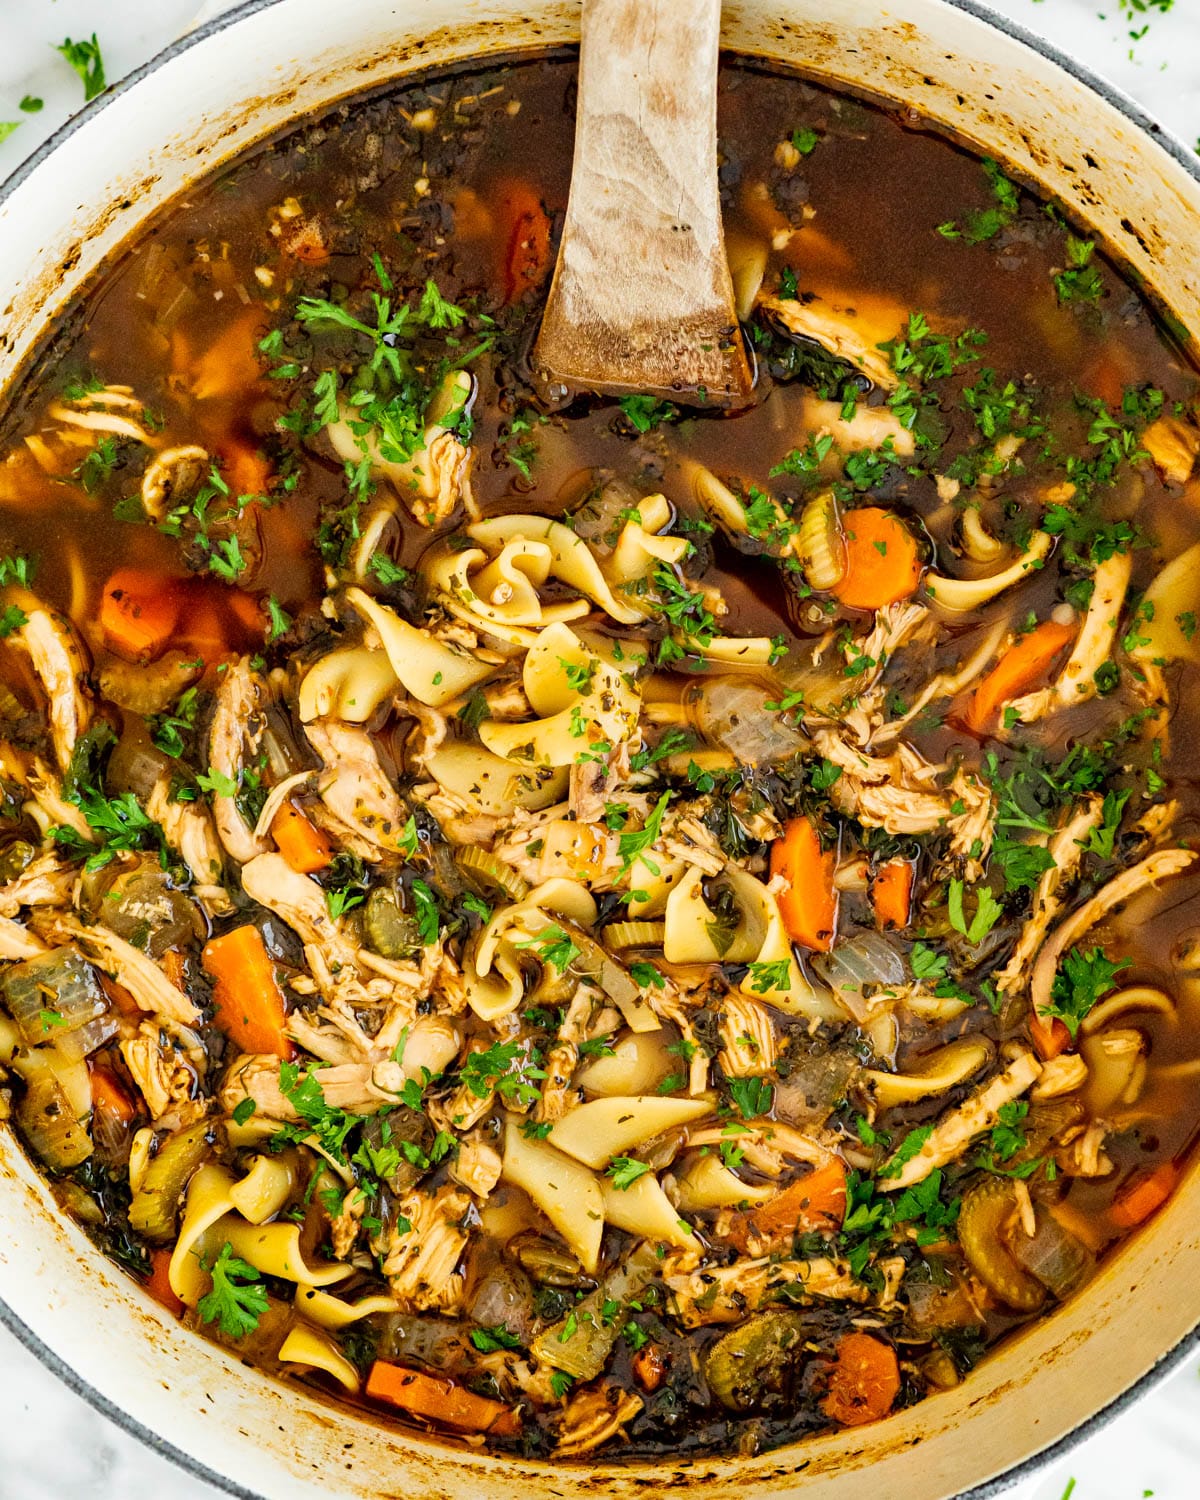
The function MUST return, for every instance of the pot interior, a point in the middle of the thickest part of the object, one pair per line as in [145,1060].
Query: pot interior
[213,97]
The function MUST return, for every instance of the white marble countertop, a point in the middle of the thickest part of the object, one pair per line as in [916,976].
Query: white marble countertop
[51,1442]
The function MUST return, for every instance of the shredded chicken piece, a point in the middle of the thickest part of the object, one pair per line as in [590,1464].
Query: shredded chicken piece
[16,942]
[838,330]
[459,821]
[355,790]
[725,1294]
[901,624]
[897,792]
[345,1224]
[428,735]
[170,475]
[463,1110]
[666,1003]
[593,1415]
[970,829]
[164,1078]
[255,1077]
[300,902]
[1024,1207]
[446,480]
[557,1096]
[747,1037]
[685,837]
[188,829]
[45,790]
[477,1166]
[61,666]
[236,723]
[1157,818]
[44,882]
[363,1074]
[139,974]
[1160,865]
[768,1148]
[420,1262]
[868,427]
[1084,1155]
[958,1127]
[1093,647]
[1066,850]
[589,786]
[1172,445]
[1060,1075]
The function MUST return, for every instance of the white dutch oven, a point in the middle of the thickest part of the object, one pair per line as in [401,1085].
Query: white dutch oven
[63,213]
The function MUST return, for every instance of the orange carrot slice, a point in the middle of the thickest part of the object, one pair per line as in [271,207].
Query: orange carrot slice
[809,905]
[441,1400]
[159,1284]
[883,563]
[524,238]
[248,1004]
[1049,1036]
[864,1382]
[891,893]
[300,841]
[137,616]
[1143,1195]
[1018,670]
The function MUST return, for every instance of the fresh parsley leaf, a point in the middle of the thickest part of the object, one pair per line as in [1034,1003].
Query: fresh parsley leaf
[909,1147]
[280,620]
[388,573]
[624,1171]
[753,1096]
[553,946]
[633,846]
[85,58]
[489,1340]
[1101,840]
[429,922]
[167,730]
[237,1300]
[987,912]
[508,1068]
[926,964]
[646,412]
[772,974]
[11,619]
[1082,979]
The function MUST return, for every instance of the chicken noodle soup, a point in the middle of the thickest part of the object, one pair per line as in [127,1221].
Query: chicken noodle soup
[601,927]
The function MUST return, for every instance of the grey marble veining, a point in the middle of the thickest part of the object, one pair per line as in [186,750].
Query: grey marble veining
[52,1444]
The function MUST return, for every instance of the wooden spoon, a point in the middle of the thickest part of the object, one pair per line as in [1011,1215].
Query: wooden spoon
[641,298]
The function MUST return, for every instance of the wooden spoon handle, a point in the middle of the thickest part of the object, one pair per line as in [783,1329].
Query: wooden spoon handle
[641,297]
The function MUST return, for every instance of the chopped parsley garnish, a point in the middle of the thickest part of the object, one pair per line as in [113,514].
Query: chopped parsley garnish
[985,223]
[489,1340]
[926,964]
[770,974]
[553,946]
[987,912]
[1082,980]
[633,846]
[624,1171]
[753,1096]
[508,1068]
[1081,281]
[237,1300]
[646,412]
